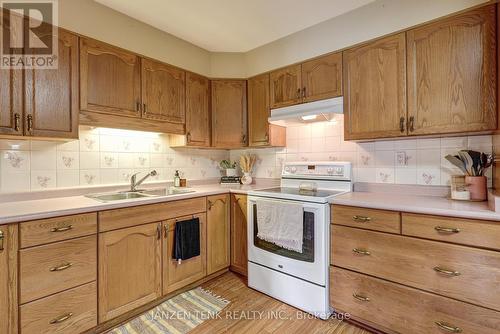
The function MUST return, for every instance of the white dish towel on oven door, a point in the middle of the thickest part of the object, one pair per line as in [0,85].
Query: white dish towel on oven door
[281,223]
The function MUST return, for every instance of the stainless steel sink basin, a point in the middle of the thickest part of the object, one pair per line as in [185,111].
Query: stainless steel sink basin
[109,197]
[124,195]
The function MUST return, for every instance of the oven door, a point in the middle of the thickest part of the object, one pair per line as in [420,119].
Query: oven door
[310,265]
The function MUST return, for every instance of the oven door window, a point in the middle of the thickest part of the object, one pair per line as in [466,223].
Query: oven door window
[307,254]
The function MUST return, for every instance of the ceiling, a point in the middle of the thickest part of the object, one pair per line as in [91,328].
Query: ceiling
[232,25]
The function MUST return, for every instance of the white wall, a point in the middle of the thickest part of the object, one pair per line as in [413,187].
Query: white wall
[373,20]
[100,22]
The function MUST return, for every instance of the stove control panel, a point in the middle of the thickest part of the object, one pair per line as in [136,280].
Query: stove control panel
[321,170]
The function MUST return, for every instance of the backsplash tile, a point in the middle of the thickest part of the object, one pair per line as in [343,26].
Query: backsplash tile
[409,161]
[100,156]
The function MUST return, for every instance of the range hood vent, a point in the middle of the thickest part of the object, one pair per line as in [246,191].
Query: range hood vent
[300,114]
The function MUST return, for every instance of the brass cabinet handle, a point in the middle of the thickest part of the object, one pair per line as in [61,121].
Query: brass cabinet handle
[361,251]
[244,139]
[165,231]
[188,137]
[266,137]
[360,297]
[448,327]
[60,319]
[361,219]
[446,271]
[158,232]
[402,124]
[138,106]
[298,93]
[62,228]
[211,204]
[30,123]
[411,124]
[17,122]
[442,229]
[144,110]
[2,237]
[304,92]
[62,267]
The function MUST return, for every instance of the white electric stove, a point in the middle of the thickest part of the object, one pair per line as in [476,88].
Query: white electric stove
[298,278]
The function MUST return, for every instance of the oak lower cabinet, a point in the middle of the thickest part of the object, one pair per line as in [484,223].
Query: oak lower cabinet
[375,89]
[229,113]
[260,132]
[452,82]
[129,269]
[8,279]
[431,274]
[177,275]
[218,233]
[239,253]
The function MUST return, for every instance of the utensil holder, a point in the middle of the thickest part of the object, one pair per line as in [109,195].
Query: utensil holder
[477,187]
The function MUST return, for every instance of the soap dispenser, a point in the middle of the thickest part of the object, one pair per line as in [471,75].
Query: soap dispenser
[177,179]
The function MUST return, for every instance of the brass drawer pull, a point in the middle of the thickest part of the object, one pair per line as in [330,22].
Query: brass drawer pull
[62,267]
[446,271]
[30,123]
[62,228]
[442,229]
[211,204]
[362,298]
[448,327]
[361,251]
[17,122]
[361,219]
[60,319]
[2,237]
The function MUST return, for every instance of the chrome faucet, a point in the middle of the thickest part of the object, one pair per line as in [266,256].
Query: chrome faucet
[134,184]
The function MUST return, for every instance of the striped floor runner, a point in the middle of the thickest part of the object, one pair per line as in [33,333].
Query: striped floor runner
[177,315]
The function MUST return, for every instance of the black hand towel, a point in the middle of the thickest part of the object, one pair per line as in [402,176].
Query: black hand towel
[187,239]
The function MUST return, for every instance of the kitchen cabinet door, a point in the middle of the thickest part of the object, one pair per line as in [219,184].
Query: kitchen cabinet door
[8,279]
[322,78]
[229,113]
[110,79]
[218,234]
[452,82]
[163,92]
[129,269]
[51,95]
[197,110]
[177,275]
[11,90]
[375,89]
[286,86]
[239,258]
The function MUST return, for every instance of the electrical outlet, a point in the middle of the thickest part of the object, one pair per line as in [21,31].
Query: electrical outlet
[401,159]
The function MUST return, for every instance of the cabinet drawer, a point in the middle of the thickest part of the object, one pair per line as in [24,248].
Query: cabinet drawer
[44,231]
[398,309]
[48,269]
[144,214]
[478,233]
[72,311]
[460,272]
[370,219]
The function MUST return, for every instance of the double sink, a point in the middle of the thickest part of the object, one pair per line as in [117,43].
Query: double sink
[126,195]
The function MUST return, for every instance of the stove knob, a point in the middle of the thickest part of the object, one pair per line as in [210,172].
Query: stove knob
[293,170]
[329,170]
[339,170]
[287,169]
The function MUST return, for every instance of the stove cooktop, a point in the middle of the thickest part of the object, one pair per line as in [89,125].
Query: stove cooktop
[303,192]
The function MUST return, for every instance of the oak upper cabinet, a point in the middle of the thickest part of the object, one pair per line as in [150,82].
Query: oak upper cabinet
[322,78]
[452,74]
[229,113]
[177,275]
[197,110]
[261,133]
[110,79]
[163,92]
[375,89]
[51,96]
[286,86]
[129,269]
[218,233]
[239,252]
[8,279]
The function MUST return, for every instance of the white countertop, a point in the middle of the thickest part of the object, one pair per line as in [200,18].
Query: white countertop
[432,205]
[18,211]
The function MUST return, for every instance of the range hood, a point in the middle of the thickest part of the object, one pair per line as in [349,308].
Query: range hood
[300,114]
